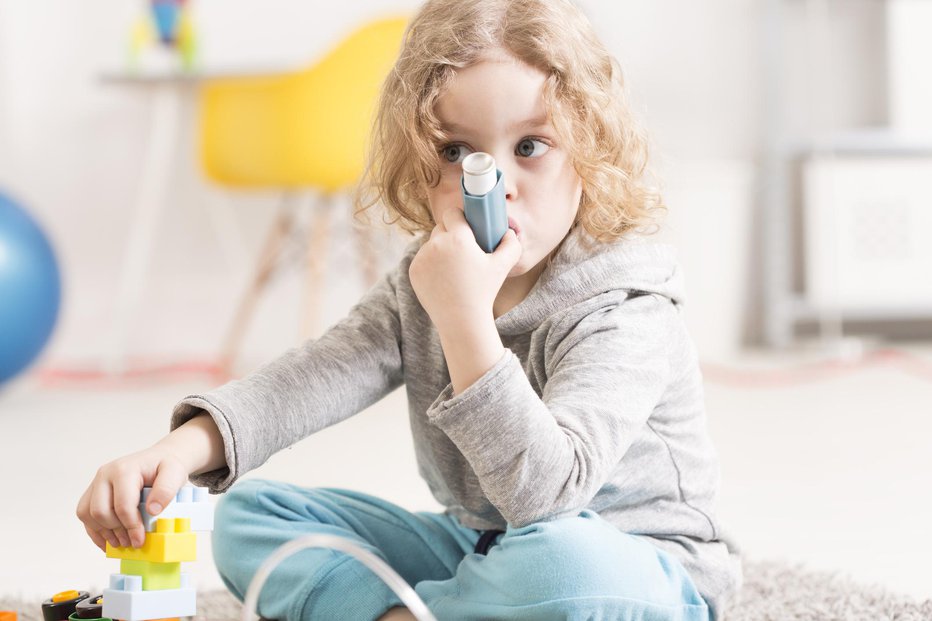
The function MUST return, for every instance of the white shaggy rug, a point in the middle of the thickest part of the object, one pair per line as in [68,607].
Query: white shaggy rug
[772,592]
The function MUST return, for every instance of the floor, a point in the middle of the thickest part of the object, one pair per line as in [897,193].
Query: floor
[834,472]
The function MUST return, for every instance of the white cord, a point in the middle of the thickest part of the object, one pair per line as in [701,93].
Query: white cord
[379,567]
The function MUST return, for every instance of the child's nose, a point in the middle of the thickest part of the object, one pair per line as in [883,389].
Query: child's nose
[511,186]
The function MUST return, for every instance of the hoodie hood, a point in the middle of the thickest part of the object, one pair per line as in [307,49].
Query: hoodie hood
[584,268]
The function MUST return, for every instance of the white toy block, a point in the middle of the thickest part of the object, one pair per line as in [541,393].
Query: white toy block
[126,600]
[190,502]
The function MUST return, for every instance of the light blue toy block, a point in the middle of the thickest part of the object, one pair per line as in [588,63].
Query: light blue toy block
[126,600]
[190,502]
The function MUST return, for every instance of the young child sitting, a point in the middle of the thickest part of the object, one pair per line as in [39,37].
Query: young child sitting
[554,394]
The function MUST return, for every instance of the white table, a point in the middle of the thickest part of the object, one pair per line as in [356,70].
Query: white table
[169,92]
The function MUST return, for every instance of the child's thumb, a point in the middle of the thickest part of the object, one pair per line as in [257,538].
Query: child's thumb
[168,480]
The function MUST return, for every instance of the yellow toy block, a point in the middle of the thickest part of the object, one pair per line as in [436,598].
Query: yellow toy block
[155,576]
[65,596]
[171,542]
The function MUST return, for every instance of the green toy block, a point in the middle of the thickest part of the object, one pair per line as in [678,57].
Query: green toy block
[155,576]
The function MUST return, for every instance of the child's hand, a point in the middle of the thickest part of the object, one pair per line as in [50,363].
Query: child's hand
[109,507]
[454,279]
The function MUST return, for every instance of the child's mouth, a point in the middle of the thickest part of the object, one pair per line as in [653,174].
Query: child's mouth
[514,226]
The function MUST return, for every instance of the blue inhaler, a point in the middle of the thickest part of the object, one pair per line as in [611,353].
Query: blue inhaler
[484,200]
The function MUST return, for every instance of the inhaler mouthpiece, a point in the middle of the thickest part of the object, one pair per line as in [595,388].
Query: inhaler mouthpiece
[479,176]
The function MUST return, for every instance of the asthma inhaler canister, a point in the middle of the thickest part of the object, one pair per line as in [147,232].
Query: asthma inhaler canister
[484,200]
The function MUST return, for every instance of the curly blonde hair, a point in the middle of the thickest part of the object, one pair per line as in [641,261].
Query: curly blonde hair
[583,93]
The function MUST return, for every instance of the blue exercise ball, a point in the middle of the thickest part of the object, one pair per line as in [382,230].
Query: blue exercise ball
[30,289]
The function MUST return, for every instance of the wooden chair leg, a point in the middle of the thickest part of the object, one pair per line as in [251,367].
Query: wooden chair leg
[268,258]
[316,262]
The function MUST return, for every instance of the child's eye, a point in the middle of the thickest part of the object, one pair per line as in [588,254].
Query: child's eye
[455,153]
[530,147]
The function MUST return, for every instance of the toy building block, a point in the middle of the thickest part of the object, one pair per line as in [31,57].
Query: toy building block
[155,576]
[151,585]
[190,502]
[126,600]
[60,606]
[7,615]
[172,542]
[90,608]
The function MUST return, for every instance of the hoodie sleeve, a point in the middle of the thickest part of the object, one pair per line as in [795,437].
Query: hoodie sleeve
[540,456]
[353,365]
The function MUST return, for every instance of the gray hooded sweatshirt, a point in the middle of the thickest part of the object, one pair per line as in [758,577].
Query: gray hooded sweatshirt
[597,403]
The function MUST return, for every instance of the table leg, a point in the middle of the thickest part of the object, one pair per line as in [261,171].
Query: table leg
[149,203]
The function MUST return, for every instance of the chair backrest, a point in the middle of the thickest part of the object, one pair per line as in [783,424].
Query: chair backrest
[304,129]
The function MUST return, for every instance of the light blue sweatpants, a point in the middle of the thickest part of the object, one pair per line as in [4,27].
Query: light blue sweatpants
[570,568]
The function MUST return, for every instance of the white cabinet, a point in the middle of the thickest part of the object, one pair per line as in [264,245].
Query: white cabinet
[868,235]
[845,223]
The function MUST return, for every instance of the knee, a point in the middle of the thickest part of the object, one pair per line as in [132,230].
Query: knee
[592,557]
[569,568]
[585,537]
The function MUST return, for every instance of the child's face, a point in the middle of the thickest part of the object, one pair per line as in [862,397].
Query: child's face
[497,106]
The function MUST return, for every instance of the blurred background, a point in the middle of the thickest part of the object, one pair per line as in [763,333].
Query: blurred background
[793,140]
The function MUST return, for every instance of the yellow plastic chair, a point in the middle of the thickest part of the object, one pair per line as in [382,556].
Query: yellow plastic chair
[303,131]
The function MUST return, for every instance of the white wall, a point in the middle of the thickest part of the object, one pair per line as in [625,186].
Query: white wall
[73,149]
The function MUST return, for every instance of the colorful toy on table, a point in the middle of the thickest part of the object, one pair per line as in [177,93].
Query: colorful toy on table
[62,605]
[73,606]
[190,502]
[151,584]
[7,615]
[166,26]
[90,608]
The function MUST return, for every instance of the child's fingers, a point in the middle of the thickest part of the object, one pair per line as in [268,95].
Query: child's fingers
[83,509]
[121,535]
[137,535]
[111,538]
[508,250]
[100,509]
[95,531]
[169,478]
[96,537]
[126,493]
[454,220]
[107,535]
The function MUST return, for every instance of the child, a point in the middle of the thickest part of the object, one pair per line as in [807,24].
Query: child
[554,395]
